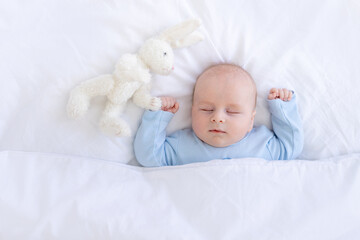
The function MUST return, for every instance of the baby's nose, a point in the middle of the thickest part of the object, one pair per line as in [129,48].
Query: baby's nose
[218,118]
[219,121]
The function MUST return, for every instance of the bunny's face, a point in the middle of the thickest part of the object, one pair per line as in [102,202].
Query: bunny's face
[158,55]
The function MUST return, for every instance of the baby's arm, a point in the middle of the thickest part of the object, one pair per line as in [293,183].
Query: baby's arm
[288,140]
[152,147]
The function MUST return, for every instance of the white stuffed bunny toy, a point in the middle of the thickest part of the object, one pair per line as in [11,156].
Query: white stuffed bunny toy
[131,78]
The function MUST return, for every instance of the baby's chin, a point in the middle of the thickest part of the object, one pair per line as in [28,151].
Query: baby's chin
[217,142]
[219,145]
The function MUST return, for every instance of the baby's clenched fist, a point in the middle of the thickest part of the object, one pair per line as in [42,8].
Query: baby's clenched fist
[169,104]
[281,93]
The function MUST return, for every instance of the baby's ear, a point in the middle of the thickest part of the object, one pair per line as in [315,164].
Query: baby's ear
[253,115]
[252,120]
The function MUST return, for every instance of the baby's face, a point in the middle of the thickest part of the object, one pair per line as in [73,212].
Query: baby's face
[223,106]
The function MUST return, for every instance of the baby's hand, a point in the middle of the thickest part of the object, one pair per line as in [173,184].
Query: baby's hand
[169,104]
[282,93]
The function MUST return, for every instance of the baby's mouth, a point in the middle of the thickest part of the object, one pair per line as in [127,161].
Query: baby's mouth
[216,131]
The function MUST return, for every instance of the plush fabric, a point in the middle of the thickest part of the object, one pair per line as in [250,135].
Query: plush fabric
[131,79]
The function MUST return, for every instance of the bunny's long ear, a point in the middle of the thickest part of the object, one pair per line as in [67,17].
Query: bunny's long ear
[188,40]
[180,35]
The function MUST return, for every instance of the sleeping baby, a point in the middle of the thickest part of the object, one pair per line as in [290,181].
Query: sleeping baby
[223,113]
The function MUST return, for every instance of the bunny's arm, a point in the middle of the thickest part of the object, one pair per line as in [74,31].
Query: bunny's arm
[143,99]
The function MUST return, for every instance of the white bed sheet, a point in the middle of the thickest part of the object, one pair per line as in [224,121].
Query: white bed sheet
[63,179]
[48,47]
[64,197]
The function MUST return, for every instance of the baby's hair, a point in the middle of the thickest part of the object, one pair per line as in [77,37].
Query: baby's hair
[232,67]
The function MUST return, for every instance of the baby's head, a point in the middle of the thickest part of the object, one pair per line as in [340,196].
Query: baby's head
[224,104]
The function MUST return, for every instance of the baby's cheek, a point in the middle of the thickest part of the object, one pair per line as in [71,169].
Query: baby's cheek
[198,124]
[238,128]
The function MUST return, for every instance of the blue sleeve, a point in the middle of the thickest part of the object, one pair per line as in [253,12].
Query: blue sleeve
[288,139]
[152,147]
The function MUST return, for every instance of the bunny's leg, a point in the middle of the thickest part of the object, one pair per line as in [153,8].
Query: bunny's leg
[81,95]
[111,124]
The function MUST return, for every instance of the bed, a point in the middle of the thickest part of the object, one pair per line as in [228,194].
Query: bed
[64,179]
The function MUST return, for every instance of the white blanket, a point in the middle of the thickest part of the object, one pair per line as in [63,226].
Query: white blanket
[63,197]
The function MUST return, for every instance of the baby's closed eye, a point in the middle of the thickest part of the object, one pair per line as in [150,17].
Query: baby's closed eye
[206,109]
[233,112]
